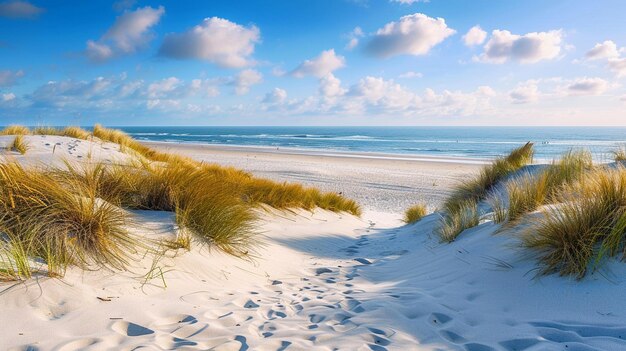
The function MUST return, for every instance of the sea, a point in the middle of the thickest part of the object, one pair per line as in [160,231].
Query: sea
[470,142]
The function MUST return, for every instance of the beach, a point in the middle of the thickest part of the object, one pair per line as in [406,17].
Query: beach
[380,182]
[314,279]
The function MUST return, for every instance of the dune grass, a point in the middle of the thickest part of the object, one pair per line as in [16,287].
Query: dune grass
[18,144]
[415,213]
[529,191]
[454,223]
[588,224]
[75,215]
[458,207]
[619,154]
[15,130]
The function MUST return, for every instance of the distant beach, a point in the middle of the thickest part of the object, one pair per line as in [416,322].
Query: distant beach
[455,142]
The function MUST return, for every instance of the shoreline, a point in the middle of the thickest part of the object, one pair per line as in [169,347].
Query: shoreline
[320,152]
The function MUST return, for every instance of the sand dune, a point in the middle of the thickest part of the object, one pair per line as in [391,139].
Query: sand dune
[317,281]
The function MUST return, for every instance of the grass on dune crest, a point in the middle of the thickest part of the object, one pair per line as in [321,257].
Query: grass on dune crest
[63,224]
[415,213]
[619,154]
[587,226]
[15,130]
[528,192]
[460,208]
[74,215]
[19,144]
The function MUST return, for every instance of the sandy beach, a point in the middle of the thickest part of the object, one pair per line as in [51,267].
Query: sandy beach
[381,182]
[315,280]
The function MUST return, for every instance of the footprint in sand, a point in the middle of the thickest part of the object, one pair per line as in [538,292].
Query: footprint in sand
[130,329]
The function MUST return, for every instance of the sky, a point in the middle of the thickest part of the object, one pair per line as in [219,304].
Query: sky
[322,62]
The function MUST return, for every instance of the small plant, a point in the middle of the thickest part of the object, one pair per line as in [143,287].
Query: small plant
[15,130]
[454,223]
[75,132]
[415,213]
[619,154]
[499,210]
[588,224]
[19,144]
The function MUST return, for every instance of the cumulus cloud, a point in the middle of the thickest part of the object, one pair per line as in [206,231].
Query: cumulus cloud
[122,5]
[605,50]
[533,47]
[618,66]
[474,36]
[19,9]
[379,94]
[245,79]
[129,33]
[9,78]
[276,96]
[320,66]
[330,86]
[414,35]
[217,40]
[587,86]
[353,37]
[525,93]
[410,74]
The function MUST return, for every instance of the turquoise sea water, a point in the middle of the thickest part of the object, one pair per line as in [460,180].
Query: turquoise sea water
[477,142]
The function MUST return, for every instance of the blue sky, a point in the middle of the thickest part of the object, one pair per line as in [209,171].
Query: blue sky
[341,62]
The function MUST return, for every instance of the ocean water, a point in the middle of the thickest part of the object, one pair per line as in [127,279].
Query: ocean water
[475,142]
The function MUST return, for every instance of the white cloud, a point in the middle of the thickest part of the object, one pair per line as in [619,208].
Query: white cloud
[587,86]
[380,94]
[605,50]
[353,37]
[474,36]
[129,33]
[8,97]
[408,2]
[414,34]
[330,86]
[19,9]
[276,96]
[9,78]
[163,88]
[245,79]
[410,74]
[217,40]
[320,66]
[533,47]
[618,66]
[98,51]
[525,93]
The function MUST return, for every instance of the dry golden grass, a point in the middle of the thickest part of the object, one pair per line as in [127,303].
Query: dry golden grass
[454,223]
[74,215]
[467,195]
[619,154]
[15,130]
[42,130]
[19,144]
[588,225]
[415,213]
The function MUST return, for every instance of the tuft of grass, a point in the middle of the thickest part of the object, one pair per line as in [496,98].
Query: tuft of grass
[619,154]
[526,193]
[469,193]
[19,144]
[15,130]
[498,207]
[69,222]
[415,213]
[75,132]
[588,225]
[42,130]
[452,224]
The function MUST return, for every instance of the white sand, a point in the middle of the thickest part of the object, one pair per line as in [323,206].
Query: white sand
[379,182]
[323,281]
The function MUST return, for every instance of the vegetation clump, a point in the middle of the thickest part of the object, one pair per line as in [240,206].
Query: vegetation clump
[415,213]
[75,215]
[461,208]
[19,144]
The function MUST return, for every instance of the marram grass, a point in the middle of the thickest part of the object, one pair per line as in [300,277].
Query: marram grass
[75,215]
[415,213]
[19,144]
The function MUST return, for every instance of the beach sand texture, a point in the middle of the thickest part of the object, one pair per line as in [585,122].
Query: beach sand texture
[319,280]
